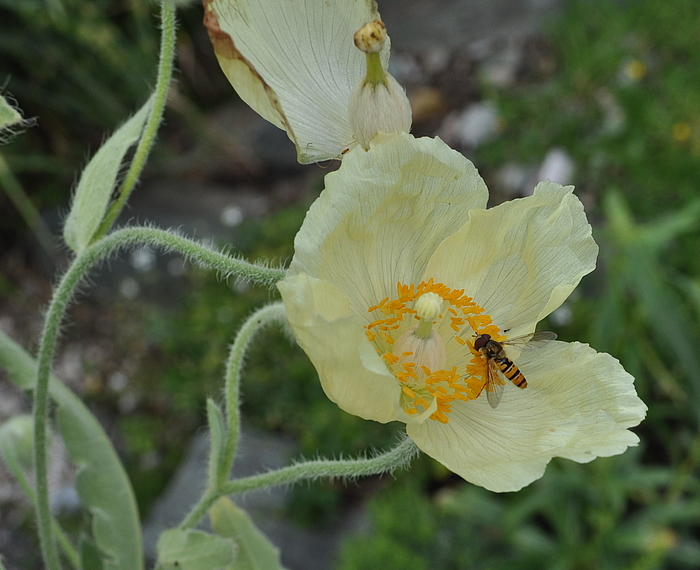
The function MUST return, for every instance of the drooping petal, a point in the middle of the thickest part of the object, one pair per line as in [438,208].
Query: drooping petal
[351,372]
[295,63]
[578,404]
[522,259]
[383,213]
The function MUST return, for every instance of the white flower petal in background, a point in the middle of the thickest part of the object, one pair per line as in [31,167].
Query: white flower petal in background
[295,63]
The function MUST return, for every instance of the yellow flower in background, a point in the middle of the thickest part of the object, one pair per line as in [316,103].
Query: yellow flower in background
[314,68]
[399,269]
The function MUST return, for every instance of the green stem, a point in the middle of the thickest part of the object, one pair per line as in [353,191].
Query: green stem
[215,421]
[10,458]
[398,457]
[202,255]
[263,316]
[225,264]
[143,149]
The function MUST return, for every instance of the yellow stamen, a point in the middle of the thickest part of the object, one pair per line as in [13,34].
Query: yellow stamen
[416,353]
[390,357]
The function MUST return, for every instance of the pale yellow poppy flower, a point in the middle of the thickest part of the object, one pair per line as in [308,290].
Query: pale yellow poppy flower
[300,65]
[399,267]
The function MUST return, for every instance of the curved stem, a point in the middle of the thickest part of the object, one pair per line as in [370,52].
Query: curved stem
[201,254]
[150,129]
[398,457]
[98,251]
[263,316]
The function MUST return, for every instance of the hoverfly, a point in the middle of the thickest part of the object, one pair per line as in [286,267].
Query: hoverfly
[498,362]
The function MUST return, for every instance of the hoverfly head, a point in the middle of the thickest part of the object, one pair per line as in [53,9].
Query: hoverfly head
[481,341]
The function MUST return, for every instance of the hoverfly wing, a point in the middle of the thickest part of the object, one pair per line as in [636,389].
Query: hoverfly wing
[495,386]
[543,335]
[531,340]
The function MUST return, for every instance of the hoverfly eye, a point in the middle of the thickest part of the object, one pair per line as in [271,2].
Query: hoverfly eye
[481,341]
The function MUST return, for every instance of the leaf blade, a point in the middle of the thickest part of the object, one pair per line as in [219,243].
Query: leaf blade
[194,550]
[256,551]
[123,545]
[97,182]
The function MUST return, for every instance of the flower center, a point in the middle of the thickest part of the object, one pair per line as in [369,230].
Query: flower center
[421,336]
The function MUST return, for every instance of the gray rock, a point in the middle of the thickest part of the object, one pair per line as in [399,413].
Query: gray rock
[455,24]
[471,128]
[513,179]
[301,549]
[182,493]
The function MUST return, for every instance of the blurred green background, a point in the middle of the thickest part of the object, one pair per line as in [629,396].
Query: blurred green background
[616,84]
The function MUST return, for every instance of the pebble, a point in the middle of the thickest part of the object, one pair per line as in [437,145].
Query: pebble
[557,166]
[472,127]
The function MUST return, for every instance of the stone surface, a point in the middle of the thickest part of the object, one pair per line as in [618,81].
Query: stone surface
[301,549]
[455,24]
[472,127]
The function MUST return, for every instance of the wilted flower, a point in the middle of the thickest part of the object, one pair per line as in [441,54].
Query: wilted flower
[299,64]
[399,268]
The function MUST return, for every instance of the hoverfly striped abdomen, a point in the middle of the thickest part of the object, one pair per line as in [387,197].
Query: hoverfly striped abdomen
[511,371]
[496,360]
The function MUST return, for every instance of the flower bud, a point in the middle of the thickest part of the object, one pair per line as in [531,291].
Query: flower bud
[378,103]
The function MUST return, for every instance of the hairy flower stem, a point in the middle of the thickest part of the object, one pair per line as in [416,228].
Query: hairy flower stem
[150,129]
[266,315]
[120,239]
[398,457]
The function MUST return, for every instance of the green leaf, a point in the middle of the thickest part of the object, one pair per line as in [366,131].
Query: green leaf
[17,434]
[102,483]
[256,551]
[90,556]
[97,182]
[667,314]
[194,550]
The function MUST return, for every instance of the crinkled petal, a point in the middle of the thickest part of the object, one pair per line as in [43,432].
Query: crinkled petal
[578,404]
[383,213]
[295,63]
[351,373]
[522,259]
